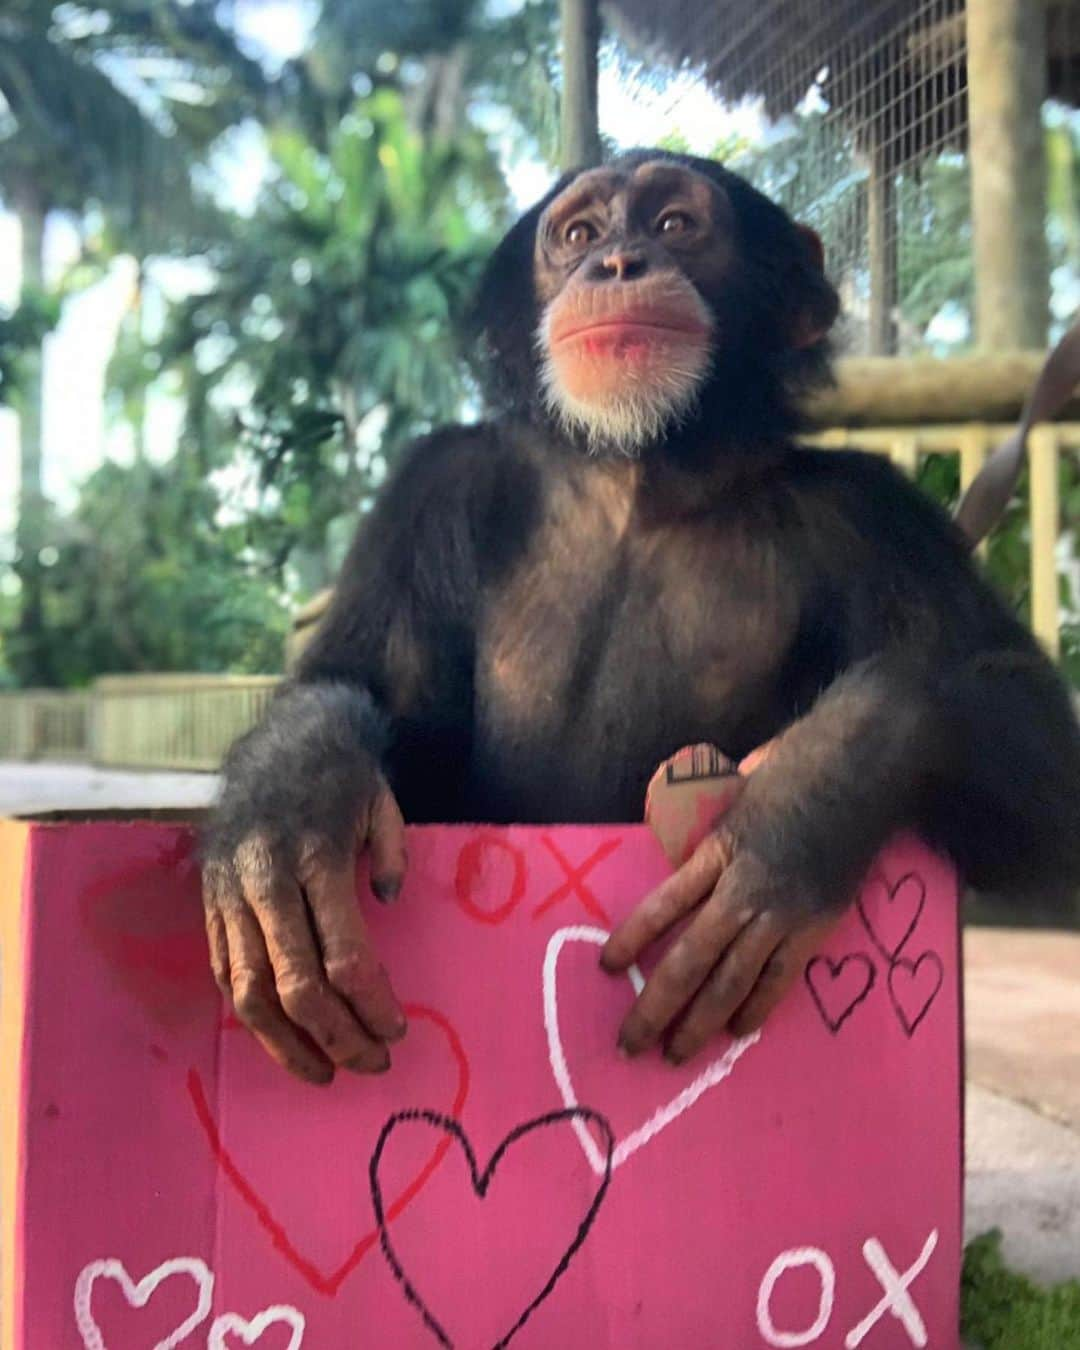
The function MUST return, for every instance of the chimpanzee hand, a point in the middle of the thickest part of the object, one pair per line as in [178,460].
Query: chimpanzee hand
[287,940]
[752,933]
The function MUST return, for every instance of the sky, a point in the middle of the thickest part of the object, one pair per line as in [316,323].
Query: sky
[75,434]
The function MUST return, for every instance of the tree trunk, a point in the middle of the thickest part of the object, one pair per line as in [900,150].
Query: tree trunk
[31,655]
[1006,63]
[580,136]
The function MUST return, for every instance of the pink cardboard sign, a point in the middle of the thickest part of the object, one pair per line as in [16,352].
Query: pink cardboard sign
[511,1179]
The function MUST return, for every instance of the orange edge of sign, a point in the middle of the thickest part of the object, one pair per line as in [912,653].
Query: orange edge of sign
[14,852]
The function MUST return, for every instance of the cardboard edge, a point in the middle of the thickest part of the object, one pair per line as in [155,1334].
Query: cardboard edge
[15,846]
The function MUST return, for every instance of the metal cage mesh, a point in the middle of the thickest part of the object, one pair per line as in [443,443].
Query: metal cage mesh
[864,135]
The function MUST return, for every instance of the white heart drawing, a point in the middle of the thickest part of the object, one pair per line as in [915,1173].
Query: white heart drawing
[710,1076]
[249,1332]
[138,1295]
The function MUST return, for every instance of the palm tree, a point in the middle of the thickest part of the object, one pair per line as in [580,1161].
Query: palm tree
[333,312]
[109,108]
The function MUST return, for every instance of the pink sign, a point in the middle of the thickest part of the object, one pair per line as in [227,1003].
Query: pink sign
[511,1180]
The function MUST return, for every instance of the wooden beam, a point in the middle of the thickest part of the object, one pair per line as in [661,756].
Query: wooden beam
[905,391]
[580,128]
[1006,65]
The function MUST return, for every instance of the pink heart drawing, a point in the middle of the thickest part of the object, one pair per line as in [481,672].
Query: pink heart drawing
[249,1332]
[712,1075]
[913,986]
[138,1295]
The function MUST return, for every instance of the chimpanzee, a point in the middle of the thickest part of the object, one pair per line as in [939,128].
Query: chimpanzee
[632,555]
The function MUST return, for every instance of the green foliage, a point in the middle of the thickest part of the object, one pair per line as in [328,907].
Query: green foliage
[329,326]
[145,576]
[1008,550]
[117,85]
[935,251]
[21,334]
[1001,1310]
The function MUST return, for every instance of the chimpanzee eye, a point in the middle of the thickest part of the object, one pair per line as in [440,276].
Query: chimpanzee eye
[674,222]
[579,233]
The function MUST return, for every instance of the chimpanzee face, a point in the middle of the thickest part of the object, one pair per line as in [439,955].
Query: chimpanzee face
[625,259]
[661,301]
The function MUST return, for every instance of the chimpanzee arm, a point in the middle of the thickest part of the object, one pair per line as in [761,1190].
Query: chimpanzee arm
[945,718]
[384,686]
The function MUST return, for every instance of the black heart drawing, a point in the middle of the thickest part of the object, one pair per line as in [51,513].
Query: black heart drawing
[837,1001]
[480,1183]
[904,901]
[913,993]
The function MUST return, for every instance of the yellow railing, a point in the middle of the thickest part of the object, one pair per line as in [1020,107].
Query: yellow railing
[972,441]
[188,721]
[45,724]
[174,721]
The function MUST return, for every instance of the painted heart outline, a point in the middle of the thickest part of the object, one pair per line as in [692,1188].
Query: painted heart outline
[835,1015]
[923,1001]
[481,1181]
[328,1282]
[280,1315]
[910,884]
[712,1075]
[139,1295]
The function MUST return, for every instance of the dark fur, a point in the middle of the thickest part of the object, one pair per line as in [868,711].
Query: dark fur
[538,630]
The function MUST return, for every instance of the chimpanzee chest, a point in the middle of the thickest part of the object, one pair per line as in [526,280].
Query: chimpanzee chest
[613,644]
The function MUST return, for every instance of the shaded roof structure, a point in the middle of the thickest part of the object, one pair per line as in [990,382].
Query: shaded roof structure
[894,71]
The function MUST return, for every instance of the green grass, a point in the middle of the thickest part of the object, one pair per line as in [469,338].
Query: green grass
[1001,1310]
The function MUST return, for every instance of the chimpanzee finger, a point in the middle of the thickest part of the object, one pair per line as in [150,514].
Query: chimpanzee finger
[386,845]
[727,987]
[671,901]
[349,960]
[256,1000]
[777,976]
[218,942]
[683,970]
[302,989]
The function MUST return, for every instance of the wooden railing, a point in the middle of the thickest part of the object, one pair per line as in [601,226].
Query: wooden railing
[188,721]
[174,721]
[45,724]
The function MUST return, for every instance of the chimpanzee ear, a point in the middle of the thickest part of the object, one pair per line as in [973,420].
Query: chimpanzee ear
[813,241]
[820,304]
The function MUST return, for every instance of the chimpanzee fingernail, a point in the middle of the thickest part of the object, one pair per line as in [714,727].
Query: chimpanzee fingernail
[386,889]
[673,1057]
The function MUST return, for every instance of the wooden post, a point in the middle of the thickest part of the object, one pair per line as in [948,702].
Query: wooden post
[1006,63]
[882,255]
[580,129]
[1045,523]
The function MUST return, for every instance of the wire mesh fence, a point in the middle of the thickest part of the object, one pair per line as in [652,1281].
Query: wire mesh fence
[862,132]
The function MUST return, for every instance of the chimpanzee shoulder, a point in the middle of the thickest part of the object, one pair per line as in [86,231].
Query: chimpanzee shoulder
[455,511]
[911,552]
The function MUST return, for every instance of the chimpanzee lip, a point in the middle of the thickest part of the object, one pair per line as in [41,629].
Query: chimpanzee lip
[630,320]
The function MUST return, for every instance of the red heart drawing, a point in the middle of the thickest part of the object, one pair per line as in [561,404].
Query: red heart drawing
[155,948]
[323,1281]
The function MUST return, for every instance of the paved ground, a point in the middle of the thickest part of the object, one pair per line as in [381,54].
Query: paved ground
[33,789]
[1023,1037]
[1022,1001]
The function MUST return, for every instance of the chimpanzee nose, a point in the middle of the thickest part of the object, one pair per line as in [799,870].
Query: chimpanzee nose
[620,264]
